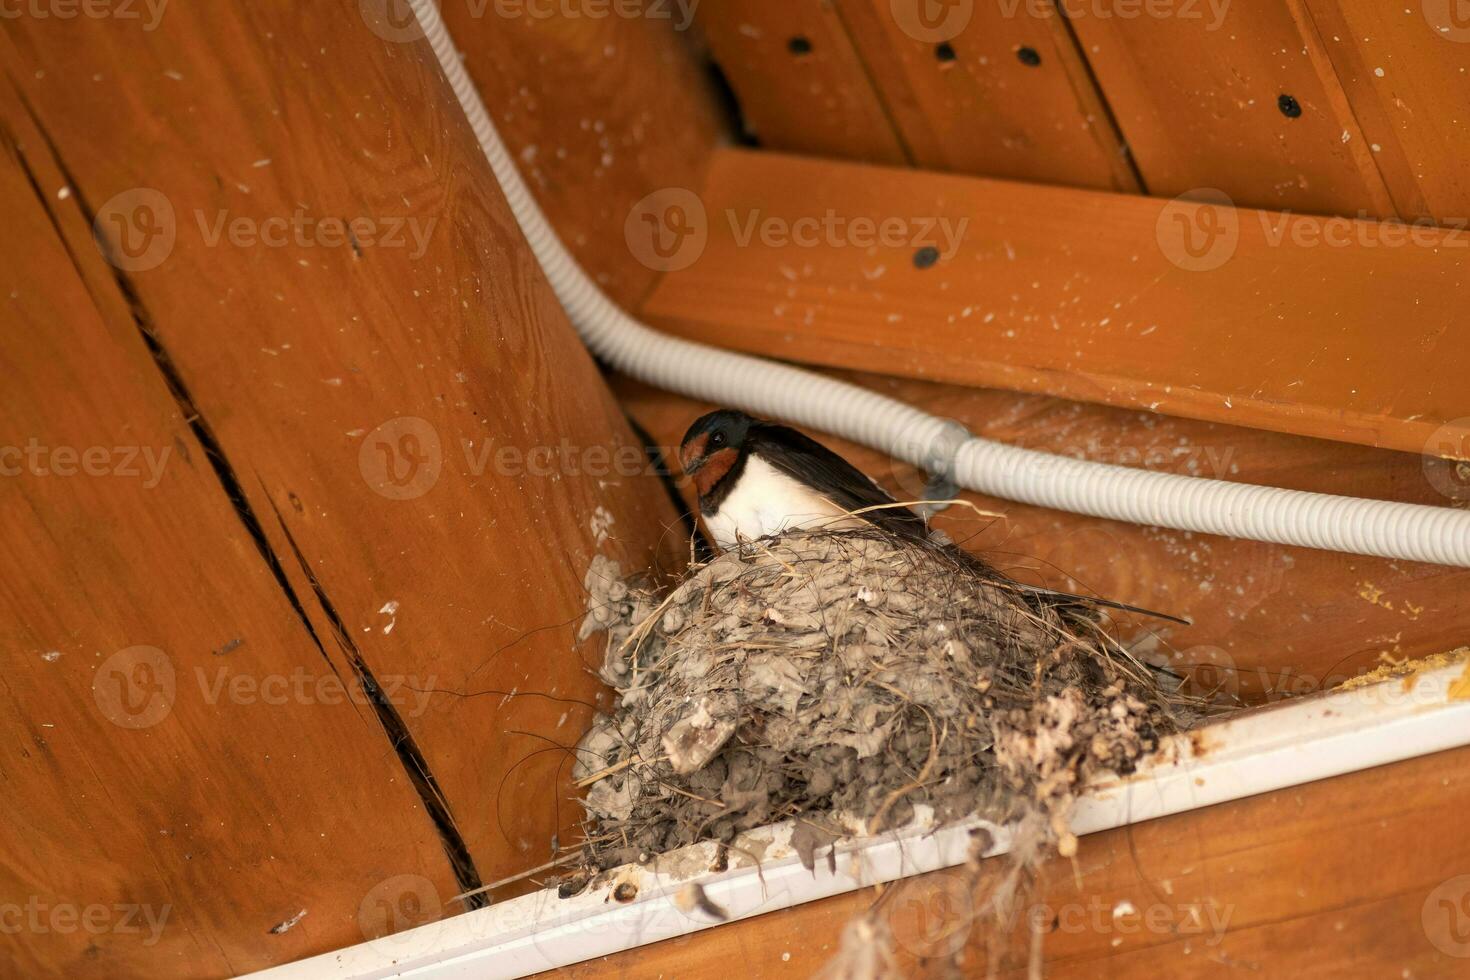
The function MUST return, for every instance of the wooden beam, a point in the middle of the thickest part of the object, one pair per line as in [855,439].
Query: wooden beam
[1326,880]
[1332,328]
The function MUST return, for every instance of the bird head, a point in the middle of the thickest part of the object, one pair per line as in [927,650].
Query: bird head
[712,447]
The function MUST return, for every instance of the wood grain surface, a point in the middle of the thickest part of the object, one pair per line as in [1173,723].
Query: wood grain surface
[599,112]
[1335,328]
[394,464]
[1404,70]
[1199,97]
[801,85]
[184,766]
[1002,91]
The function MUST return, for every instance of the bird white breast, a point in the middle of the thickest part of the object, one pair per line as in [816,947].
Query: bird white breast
[766,501]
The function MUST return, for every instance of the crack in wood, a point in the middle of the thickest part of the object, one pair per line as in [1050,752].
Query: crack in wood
[409,753]
[410,757]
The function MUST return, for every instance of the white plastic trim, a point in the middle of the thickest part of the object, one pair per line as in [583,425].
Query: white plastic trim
[1256,752]
[1370,527]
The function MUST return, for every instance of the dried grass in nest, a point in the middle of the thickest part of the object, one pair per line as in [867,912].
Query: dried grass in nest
[843,677]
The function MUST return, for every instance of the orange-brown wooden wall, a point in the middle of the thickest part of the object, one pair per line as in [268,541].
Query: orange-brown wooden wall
[302,471]
[1321,106]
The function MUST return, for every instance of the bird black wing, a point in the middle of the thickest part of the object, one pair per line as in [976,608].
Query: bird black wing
[812,463]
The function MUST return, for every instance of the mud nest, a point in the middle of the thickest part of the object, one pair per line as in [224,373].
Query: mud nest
[844,678]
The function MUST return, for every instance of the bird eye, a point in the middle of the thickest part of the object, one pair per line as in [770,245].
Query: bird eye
[718,439]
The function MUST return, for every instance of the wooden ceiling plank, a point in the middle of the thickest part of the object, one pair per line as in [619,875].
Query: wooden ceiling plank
[1331,328]
[1405,69]
[1234,98]
[185,769]
[599,112]
[428,447]
[800,83]
[1000,91]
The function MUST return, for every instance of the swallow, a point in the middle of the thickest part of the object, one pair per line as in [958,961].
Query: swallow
[756,479]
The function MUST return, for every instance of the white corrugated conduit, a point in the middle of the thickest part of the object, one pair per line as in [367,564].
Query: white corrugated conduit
[1314,520]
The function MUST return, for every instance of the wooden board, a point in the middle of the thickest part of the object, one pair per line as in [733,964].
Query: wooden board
[599,113]
[1332,879]
[1269,622]
[184,769]
[1001,92]
[1197,98]
[1404,69]
[1251,318]
[345,313]
[800,83]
